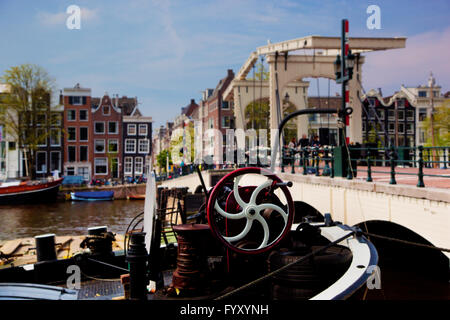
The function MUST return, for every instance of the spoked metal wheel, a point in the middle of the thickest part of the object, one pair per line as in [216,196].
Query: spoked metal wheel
[250,219]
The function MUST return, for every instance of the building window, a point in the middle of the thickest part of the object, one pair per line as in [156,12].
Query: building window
[55,119]
[41,137]
[84,115]
[84,172]
[422,94]
[410,115]
[99,146]
[83,153]
[391,115]
[71,115]
[142,129]
[225,105]
[422,138]
[41,162]
[113,127]
[12,145]
[128,165]
[401,128]
[380,114]
[409,128]
[391,127]
[41,119]
[144,146]
[77,101]
[71,153]
[99,127]
[55,160]
[422,114]
[138,165]
[401,114]
[225,122]
[70,171]
[113,146]
[55,137]
[106,110]
[71,134]
[130,146]
[84,133]
[101,166]
[131,129]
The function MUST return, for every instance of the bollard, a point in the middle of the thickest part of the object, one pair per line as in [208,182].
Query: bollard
[292,161]
[420,182]
[317,162]
[304,162]
[137,260]
[392,162]
[369,168]
[332,163]
[445,158]
[45,247]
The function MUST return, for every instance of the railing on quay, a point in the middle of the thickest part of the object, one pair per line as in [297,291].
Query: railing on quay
[320,161]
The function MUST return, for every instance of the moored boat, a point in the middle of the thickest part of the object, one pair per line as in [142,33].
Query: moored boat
[29,191]
[136,197]
[92,195]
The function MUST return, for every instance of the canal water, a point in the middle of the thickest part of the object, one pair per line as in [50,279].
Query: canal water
[399,280]
[66,217]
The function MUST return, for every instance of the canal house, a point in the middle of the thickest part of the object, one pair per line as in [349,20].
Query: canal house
[106,151]
[77,132]
[137,137]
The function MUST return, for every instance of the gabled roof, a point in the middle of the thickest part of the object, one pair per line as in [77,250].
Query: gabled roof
[127,105]
[189,109]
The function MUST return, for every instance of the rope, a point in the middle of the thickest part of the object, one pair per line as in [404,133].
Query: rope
[406,242]
[270,274]
[109,265]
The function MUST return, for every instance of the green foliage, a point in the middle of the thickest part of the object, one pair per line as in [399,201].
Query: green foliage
[161,159]
[25,110]
[260,72]
[441,126]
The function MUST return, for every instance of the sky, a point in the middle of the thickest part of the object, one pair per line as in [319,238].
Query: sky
[166,52]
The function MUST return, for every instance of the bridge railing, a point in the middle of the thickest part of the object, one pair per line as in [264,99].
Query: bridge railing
[320,160]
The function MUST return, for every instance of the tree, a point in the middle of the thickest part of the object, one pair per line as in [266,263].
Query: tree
[260,73]
[161,159]
[441,125]
[26,112]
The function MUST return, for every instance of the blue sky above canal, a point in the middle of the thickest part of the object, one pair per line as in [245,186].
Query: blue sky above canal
[167,52]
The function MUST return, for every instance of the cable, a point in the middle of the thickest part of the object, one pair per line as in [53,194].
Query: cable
[406,242]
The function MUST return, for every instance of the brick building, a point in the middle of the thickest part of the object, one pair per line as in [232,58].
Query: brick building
[77,132]
[106,152]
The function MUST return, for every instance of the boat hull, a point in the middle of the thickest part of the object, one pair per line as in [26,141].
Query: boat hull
[92,196]
[45,192]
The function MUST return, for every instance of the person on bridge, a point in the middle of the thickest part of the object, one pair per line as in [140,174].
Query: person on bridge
[303,143]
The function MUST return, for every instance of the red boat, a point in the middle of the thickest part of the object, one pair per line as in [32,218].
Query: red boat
[29,191]
[136,197]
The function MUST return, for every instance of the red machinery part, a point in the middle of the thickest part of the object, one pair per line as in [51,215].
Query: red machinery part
[247,201]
